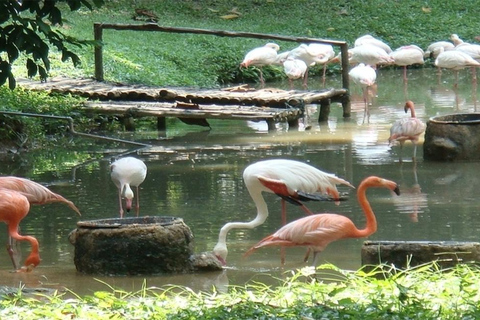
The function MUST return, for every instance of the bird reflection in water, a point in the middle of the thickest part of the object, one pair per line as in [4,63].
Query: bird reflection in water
[412,200]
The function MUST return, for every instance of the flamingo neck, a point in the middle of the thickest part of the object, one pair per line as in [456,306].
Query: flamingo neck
[34,258]
[262,214]
[371,225]
[410,106]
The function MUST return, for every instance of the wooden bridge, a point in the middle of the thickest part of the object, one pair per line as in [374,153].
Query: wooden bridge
[194,106]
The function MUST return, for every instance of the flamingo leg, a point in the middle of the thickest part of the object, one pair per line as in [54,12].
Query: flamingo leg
[262,81]
[405,79]
[12,253]
[366,113]
[305,80]
[284,222]
[324,73]
[137,207]
[120,203]
[414,152]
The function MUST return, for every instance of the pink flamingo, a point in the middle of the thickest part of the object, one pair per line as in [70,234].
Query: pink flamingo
[407,129]
[293,181]
[318,230]
[35,194]
[14,206]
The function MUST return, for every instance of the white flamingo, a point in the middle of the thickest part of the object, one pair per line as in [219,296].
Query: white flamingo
[312,54]
[364,76]
[370,55]
[435,48]
[455,60]
[260,57]
[294,69]
[369,39]
[407,56]
[126,173]
[293,181]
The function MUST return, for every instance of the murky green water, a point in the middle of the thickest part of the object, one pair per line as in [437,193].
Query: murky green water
[197,175]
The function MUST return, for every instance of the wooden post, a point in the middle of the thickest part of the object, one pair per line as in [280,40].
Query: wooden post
[345,81]
[98,36]
[324,110]
[271,125]
[161,124]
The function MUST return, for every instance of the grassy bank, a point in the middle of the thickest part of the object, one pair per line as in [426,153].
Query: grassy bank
[423,293]
[208,61]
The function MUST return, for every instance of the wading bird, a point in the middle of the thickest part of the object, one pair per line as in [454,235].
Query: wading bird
[35,194]
[294,69]
[364,76]
[260,57]
[312,54]
[369,39]
[407,129]
[126,173]
[407,56]
[318,230]
[14,206]
[293,181]
[455,60]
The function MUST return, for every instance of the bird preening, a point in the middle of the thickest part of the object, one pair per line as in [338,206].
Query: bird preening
[293,181]
[16,195]
[126,173]
[318,230]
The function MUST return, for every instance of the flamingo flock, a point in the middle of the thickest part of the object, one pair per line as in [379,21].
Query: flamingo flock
[294,182]
[367,50]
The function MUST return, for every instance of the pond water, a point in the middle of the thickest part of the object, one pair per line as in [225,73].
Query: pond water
[196,174]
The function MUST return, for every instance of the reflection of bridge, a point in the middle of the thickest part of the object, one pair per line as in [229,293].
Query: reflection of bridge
[195,106]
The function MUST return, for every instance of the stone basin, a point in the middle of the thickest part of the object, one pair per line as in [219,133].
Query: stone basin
[138,245]
[405,254]
[452,137]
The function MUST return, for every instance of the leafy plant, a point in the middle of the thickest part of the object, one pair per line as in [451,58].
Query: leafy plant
[28,27]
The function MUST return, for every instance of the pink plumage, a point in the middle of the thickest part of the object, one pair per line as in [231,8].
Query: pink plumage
[407,128]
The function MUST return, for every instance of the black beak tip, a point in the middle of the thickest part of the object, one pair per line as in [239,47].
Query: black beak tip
[397,190]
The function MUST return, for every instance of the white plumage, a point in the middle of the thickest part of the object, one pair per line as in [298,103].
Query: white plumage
[126,173]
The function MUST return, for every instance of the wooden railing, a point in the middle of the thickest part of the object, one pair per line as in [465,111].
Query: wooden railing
[98,34]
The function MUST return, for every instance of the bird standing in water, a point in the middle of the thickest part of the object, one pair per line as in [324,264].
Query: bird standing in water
[14,206]
[318,230]
[293,181]
[407,129]
[35,194]
[126,173]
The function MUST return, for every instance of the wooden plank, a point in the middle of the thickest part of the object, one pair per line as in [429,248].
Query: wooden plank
[159,109]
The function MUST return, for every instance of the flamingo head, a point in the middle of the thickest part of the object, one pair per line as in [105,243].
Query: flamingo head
[128,194]
[408,105]
[31,262]
[221,252]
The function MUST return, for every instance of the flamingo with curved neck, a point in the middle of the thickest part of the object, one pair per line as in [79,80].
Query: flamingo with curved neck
[293,181]
[318,230]
[14,206]
[407,129]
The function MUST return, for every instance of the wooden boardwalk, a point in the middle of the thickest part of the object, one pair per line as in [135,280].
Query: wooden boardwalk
[193,105]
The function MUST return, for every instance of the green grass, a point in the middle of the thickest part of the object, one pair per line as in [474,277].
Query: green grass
[424,293]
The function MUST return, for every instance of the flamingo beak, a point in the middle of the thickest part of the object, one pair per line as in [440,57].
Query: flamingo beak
[128,204]
[222,261]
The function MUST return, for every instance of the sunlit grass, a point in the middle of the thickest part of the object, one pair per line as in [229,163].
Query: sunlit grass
[425,292]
